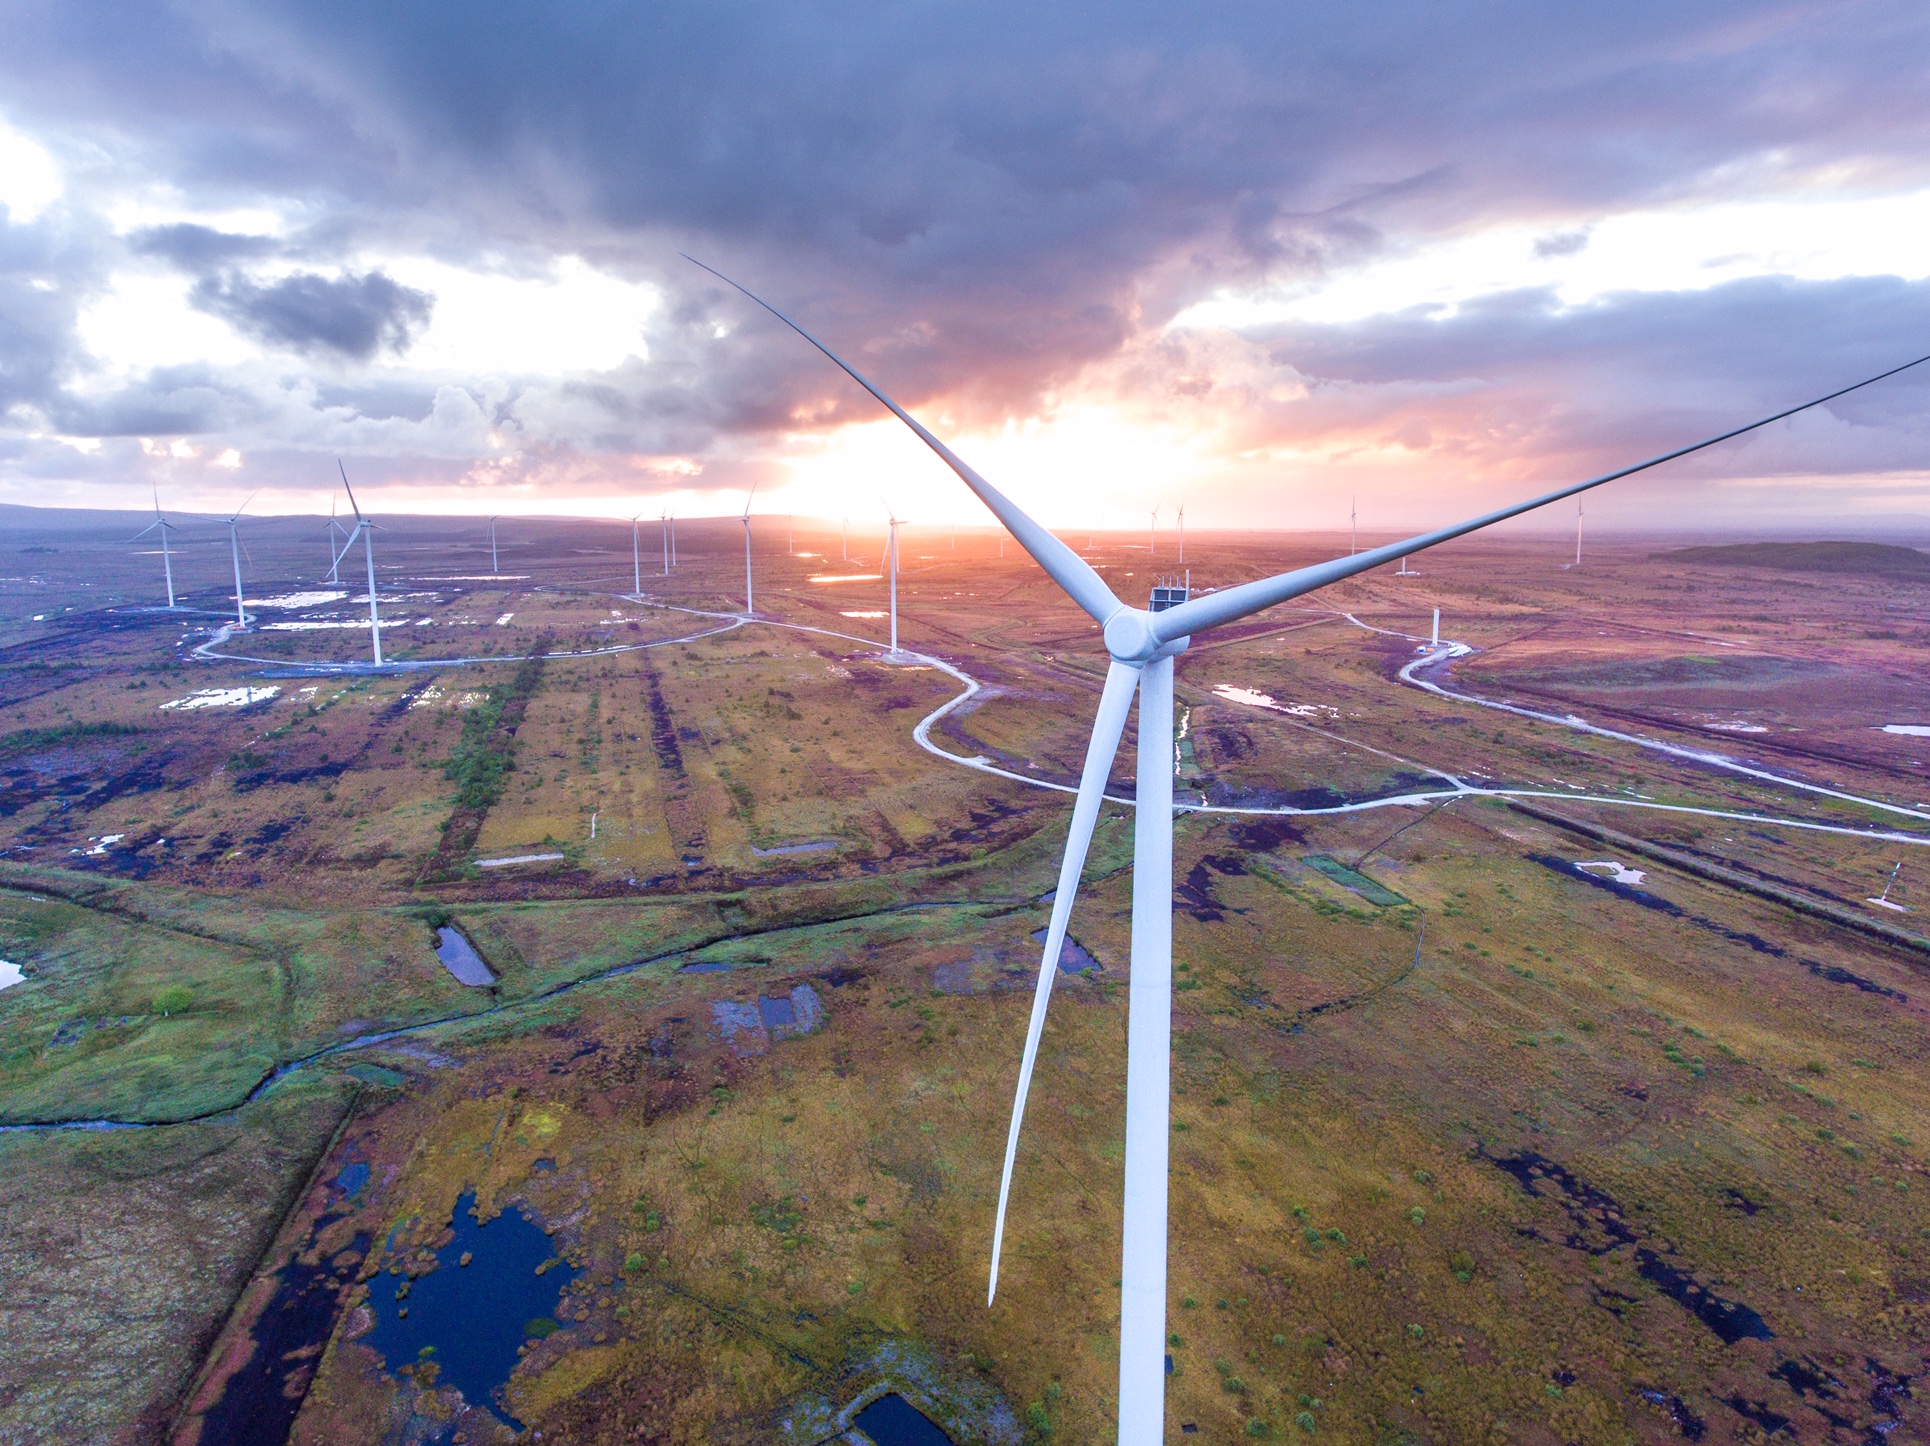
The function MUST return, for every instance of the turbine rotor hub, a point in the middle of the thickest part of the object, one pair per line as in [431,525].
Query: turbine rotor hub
[1130,638]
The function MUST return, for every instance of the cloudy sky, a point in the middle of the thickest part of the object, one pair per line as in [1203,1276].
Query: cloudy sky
[1259,258]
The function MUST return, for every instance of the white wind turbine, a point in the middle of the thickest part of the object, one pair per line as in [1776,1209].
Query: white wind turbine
[161,525]
[1142,643]
[1578,532]
[664,519]
[749,610]
[891,552]
[334,527]
[365,530]
[235,549]
[1182,534]
[494,566]
[636,553]
[673,542]
[1152,536]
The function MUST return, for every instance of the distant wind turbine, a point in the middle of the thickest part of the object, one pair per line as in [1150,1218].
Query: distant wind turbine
[1578,532]
[891,552]
[1182,532]
[1142,643]
[161,525]
[235,550]
[494,567]
[636,554]
[365,530]
[749,609]
[664,519]
[1353,526]
[1152,536]
[673,542]
[334,529]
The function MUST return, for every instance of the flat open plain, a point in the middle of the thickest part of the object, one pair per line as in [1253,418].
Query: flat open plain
[1543,1071]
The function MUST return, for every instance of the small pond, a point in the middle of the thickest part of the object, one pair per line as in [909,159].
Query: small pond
[469,1319]
[893,1421]
[460,958]
[1073,958]
[10,974]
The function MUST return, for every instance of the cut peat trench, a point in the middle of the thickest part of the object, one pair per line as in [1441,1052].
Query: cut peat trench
[1716,873]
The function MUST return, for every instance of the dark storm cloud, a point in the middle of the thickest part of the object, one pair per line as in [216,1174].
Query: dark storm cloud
[199,248]
[978,201]
[1008,174]
[347,316]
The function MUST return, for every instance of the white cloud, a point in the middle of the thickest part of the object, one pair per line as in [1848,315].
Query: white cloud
[29,180]
[575,319]
[1687,248]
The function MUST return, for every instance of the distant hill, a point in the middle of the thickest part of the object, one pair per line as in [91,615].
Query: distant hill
[1862,559]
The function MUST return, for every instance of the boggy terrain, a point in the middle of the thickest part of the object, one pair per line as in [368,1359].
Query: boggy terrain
[1544,1070]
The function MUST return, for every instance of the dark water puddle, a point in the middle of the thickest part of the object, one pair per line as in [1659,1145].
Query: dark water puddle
[469,1319]
[259,1403]
[1836,975]
[1195,891]
[663,729]
[1756,1411]
[1729,1319]
[784,850]
[1267,834]
[1073,958]
[460,958]
[893,1421]
[1601,1226]
[1691,1426]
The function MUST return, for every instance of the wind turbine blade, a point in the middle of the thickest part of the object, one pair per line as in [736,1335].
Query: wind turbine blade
[1234,603]
[144,531]
[350,490]
[244,506]
[1062,564]
[344,552]
[1114,704]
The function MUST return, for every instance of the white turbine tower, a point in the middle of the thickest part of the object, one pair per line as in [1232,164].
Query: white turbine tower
[1152,536]
[891,553]
[664,519]
[1578,532]
[494,566]
[161,525]
[1142,643]
[673,542]
[749,596]
[234,549]
[636,553]
[334,528]
[1182,534]
[365,530]
[844,540]
[1353,526]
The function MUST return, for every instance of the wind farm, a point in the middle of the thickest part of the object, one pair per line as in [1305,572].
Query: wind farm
[1517,847]
[1268,783]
